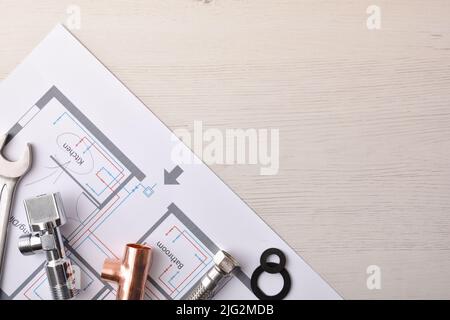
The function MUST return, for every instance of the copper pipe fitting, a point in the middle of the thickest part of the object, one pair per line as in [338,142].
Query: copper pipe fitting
[130,273]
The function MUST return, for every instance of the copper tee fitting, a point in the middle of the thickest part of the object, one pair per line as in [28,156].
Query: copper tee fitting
[130,273]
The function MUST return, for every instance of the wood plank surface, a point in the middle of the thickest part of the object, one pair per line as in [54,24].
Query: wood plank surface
[363,115]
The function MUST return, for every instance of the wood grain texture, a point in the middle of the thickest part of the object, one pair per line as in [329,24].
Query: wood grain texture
[363,115]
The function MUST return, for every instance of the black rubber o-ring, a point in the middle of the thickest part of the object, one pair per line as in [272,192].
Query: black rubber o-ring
[260,294]
[272,267]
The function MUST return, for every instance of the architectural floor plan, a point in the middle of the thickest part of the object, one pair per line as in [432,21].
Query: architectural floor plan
[96,144]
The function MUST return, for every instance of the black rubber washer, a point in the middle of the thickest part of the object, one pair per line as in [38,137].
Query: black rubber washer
[272,267]
[260,294]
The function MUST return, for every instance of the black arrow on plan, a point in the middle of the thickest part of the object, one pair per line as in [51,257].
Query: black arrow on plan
[171,177]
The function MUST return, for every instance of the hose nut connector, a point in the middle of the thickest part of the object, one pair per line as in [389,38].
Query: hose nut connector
[216,277]
[45,215]
[130,273]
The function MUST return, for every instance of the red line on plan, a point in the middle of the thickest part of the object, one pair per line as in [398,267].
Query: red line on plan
[195,246]
[103,213]
[167,269]
[32,285]
[119,170]
[148,288]
[104,182]
[182,233]
[103,244]
[188,275]
[95,146]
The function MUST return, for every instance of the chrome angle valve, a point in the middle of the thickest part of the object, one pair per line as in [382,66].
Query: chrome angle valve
[45,215]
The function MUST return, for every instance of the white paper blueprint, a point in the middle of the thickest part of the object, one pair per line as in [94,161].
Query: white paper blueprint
[98,145]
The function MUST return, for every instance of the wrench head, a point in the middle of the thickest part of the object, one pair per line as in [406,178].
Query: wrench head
[14,169]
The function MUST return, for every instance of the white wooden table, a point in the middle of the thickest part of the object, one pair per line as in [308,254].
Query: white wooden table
[364,115]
